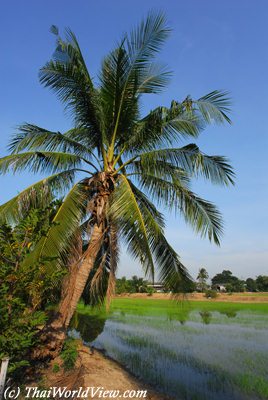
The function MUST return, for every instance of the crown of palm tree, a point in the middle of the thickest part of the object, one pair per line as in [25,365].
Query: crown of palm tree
[134,162]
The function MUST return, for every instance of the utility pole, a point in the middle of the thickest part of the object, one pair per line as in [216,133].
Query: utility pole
[3,374]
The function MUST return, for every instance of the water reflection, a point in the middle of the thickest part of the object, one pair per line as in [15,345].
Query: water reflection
[182,315]
[186,353]
[206,317]
[229,313]
[88,326]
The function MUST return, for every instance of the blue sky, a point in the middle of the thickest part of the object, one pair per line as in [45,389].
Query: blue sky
[213,45]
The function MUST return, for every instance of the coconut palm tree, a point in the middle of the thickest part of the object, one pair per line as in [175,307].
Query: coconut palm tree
[202,278]
[116,166]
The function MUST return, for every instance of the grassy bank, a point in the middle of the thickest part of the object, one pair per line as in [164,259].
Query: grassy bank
[158,306]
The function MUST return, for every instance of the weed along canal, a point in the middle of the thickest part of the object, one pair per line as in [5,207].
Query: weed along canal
[188,350]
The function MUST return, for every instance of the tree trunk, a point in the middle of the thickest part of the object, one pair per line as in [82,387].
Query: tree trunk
[53,336]
[78,279]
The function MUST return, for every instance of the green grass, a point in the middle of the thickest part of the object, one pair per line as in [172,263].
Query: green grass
[158,306]
[252,384]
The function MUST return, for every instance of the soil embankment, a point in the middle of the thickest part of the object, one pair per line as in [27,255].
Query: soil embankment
[97,371]
[222,297]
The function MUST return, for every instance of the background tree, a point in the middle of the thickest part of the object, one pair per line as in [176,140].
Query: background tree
[206,317]
[138,285]
[262,283]
[133,285]
[128,162]
[202,278]
[251,285]
[232,283]
[224,277]
[122,285]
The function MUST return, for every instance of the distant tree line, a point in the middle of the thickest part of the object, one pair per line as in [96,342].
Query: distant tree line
[231,283]
[133,285]
[225,280]
[139,285]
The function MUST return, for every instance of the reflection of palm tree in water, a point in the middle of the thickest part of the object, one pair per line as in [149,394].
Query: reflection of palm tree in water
[206,317]
[182,316]
[229,313]
[89,326]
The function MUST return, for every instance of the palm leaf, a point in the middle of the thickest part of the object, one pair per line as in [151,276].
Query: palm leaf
[64,226]
[37,161]
[112,78]
[128,68]
[125,212]
[70,80]
[146,40]
[37,195]
[163,126]
[153,79]
[32,137]
[202,215]
[190,159]
[214,107]
[170,269]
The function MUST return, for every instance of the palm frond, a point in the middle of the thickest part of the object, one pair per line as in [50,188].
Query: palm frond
[160,189]
[125,212]
[153,79]
[113,80]
[32,137]
[162,169]
[169,267]
[64,226]
[190,160]
[37,161]
[146,40]
[69,78]
[76,53]
[129,71]
[214,107]
[162,127]
[202,215]
[39,194]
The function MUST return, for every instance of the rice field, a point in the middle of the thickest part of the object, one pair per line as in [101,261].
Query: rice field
[189,350]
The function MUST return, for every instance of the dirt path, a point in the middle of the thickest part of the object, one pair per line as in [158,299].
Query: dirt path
[222,297]
[97,371]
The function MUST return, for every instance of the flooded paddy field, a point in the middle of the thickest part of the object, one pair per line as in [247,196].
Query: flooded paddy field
[189,350]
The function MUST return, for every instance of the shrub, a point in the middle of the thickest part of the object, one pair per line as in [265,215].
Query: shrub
[56,368]
[150,291]
[211,294]
[69,354]
[25,291]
